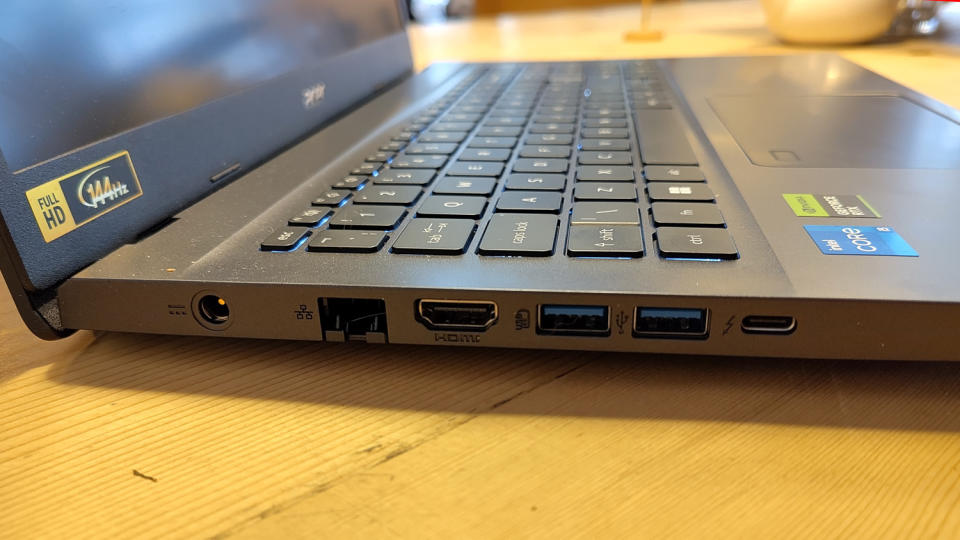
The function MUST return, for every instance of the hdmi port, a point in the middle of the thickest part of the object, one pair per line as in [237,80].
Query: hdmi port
[768,324]
[469,315]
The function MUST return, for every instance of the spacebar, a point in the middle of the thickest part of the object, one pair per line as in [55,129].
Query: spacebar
[662,141]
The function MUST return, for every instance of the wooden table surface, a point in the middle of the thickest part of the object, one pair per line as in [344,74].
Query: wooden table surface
[105,435]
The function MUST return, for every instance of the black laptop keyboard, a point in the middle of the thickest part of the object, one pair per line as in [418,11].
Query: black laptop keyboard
[531,160]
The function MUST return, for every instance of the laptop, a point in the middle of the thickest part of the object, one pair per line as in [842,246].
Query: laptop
[275,169]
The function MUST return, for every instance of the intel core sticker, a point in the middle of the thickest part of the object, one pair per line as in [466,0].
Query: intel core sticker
[823,205]
[850,240]
[63,204]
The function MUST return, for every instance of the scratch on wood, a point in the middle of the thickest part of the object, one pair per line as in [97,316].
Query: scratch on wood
[144,476]
[369,449]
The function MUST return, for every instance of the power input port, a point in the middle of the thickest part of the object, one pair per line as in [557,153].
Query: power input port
[211,310]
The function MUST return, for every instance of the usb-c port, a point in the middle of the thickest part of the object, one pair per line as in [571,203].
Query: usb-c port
[768,324]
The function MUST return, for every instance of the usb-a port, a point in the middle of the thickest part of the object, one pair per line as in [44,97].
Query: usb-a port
[658,322]
[567,320]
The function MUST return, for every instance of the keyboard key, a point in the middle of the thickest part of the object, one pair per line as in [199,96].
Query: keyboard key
[605,213]
[530,201]
[670,173]
[695,243]
[452,206]
[549,138]
[683,213]
[605,158]
[604,113]
[505,121]
[351,182]
[493,142]
[366,168]
[368,217]
[462,117]
[435,236]
[311,217]
[519,234]
[431,148]
[545,151]
[541,165]
[331,198]
[540,182]
[555,119]
[379,156]
[475,168]
[662,141]
[283,239]
[452,126]
[499,131]
[402,195]
[392,146]
[467,185]
[442,137]
[558,109]
[424,161]
[663,191]
[605,122]
[414,177]
[404,136]
[347,241]
[612,173]
[604,133]
[552,128]
[485,154]
[605,145]
[601,191]
[605,241]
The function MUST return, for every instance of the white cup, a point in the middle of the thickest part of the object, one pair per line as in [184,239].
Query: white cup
[827,22]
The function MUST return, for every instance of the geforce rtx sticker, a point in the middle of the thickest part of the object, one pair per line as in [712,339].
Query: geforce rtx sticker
[823,205]
[64,204]
[856,240]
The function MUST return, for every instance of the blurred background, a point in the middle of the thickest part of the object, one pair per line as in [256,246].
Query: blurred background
[905,40]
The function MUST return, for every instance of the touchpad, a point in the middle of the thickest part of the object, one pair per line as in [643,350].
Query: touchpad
[871,132]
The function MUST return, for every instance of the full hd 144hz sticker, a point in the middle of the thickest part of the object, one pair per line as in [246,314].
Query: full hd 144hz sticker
[68,202]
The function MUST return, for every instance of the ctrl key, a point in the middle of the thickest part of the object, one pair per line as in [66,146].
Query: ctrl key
[695,243]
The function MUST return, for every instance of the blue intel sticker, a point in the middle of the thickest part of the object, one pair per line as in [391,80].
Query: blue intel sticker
[856,240]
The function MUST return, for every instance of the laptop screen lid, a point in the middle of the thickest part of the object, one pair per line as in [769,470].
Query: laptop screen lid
[117,115]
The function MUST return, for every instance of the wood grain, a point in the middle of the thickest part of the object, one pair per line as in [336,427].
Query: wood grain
[121,435]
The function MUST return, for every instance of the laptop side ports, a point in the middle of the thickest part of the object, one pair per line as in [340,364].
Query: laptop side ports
[564,320]
[463,315]
[683,323]
[768,324]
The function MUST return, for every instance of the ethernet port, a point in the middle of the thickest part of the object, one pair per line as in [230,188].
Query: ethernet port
[353,319]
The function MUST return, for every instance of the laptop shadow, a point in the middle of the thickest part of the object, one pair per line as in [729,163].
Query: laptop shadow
[920,396]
